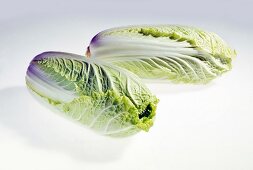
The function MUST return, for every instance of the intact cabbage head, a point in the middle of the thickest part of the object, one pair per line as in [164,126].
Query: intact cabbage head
[164,52]
[105,98]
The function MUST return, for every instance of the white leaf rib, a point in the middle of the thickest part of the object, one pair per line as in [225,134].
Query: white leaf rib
[110,121]
[98,115]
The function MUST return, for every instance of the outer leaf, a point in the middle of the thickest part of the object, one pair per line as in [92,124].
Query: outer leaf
[177,53]
[109,100]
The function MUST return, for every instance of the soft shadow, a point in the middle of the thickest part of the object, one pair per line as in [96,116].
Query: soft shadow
[45,130]
[172,88]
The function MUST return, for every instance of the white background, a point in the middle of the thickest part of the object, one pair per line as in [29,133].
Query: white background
[196,128]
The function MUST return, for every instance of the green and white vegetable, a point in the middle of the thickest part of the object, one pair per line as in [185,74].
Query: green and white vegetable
[167,52]
[108,99]
[102,90]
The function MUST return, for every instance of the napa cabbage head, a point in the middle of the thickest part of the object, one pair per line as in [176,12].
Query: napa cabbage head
[164,52]
[103,97]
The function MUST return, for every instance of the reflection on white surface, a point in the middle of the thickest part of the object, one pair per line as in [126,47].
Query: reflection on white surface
[43,129]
